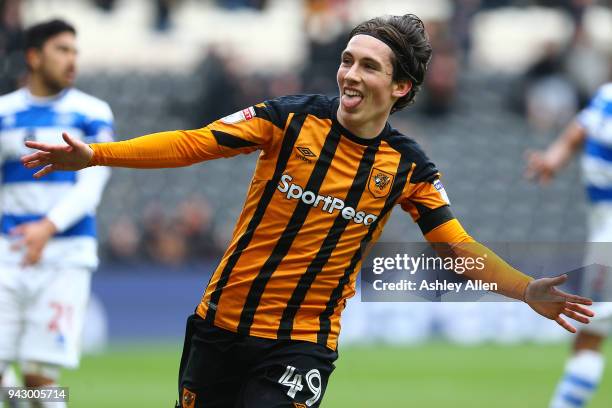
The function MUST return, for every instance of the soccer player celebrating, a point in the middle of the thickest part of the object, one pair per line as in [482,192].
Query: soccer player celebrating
[329,173]
[47,237]
[590,132]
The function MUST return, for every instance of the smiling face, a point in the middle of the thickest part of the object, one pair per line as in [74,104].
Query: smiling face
[367,89]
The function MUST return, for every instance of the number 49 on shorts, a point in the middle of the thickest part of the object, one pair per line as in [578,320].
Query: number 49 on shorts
[293,380]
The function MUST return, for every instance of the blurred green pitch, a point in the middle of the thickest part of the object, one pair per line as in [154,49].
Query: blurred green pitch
[435,375]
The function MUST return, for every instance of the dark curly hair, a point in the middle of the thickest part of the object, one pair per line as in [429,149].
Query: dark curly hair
[406,37]
[37,35]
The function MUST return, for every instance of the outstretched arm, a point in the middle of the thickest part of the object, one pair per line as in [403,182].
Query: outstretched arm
[544,165]
[158,150]
[541,295]
[226,137]
[426,200]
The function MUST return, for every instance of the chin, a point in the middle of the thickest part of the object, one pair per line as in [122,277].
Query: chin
[56,87]
[351,112]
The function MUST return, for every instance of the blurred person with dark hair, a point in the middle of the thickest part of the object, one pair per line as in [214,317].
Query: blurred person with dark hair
[564,77]
[123,243]
[330,171]
[258,5]
[105,5]
[493,4]
[550,97]
[575,8]
[163,241]
[441,83]
[587,65]
[590,133]
[163,14]
[12,67]
[162,11]
[461,23]
[326,24]
[153,223]
[11,30]
[220,90]
[169,248]
[48,246]
[195,221]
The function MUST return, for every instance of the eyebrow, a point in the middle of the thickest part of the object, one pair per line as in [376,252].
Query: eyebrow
[65,47]
[365,59]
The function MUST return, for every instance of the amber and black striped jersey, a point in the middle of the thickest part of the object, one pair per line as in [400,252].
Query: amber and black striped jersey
[319,195]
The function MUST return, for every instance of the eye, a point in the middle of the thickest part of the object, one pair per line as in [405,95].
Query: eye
[346,61]
[370,67]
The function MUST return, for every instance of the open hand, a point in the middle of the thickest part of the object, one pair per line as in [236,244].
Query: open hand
[540,167]
[543,297]
[75,156]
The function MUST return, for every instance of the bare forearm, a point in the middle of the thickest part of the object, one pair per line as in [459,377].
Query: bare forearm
[81,199]
[568,143]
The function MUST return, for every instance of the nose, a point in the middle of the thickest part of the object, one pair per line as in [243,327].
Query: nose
[352,75]
[72,57]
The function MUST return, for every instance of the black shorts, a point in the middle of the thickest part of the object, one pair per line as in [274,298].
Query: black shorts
[222,369]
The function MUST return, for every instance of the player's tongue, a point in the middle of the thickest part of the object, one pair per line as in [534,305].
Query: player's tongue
[351,100]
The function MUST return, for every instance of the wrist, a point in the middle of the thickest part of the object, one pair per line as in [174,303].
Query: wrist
[91,152]
[525,297]
[49,226]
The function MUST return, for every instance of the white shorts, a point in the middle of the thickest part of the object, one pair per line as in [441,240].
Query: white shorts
[597,279]
[42,313]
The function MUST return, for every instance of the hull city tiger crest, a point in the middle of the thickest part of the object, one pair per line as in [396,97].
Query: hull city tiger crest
[380,183]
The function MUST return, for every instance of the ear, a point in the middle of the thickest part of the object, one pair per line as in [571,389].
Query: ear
[401,88]
[33,58]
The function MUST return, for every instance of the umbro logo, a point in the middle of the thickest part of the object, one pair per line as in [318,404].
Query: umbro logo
[306,151]
[305,154]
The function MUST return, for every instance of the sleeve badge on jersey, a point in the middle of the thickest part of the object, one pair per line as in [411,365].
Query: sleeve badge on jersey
[440,187]
[380,182]
[240,116]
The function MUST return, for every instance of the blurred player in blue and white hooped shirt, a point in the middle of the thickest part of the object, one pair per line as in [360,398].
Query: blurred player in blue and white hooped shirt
[48,246]
[592,132]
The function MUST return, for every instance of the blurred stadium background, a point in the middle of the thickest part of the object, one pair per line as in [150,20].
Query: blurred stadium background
[506,76]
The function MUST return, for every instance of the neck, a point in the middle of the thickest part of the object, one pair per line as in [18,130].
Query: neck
[367,130]
[39,88]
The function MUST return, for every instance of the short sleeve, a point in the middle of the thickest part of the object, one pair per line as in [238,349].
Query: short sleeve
[600,107]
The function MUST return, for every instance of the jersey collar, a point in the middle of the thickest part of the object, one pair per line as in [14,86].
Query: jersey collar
[44,100]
